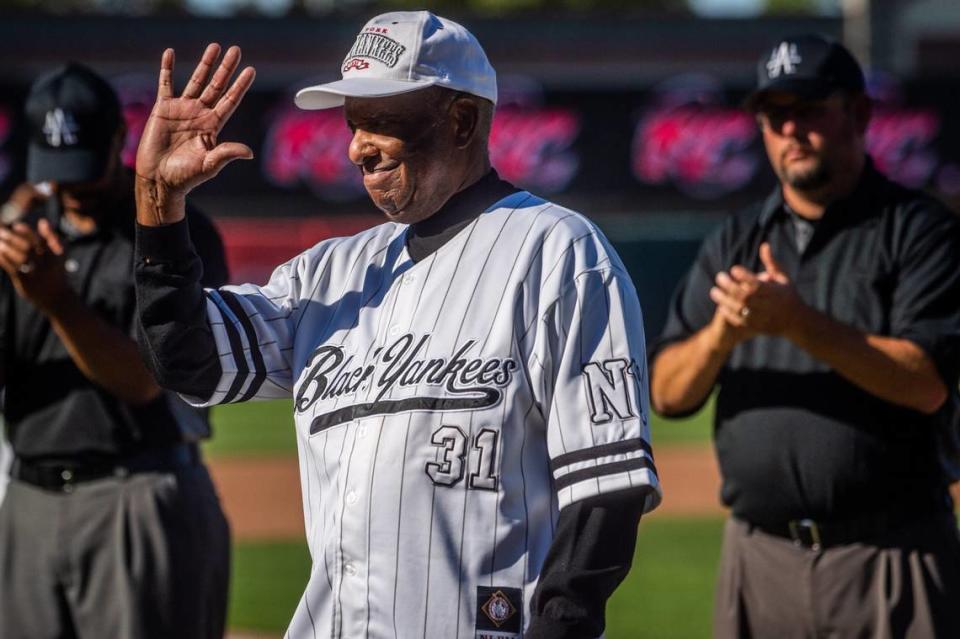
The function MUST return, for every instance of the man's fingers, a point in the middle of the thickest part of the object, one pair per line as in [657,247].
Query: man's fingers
[742,275]
[165,86]
[17,239]
[8,266]
[225,153]
[221,77]
[50,237]
[728,285]
[199,78]
[723,300]
[229,102]
[14,255]
[769,263]
[732,317]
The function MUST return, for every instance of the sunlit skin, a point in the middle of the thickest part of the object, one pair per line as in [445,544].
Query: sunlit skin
[416,149]
[816,147]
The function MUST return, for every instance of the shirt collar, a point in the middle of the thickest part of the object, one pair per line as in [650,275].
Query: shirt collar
[859,200]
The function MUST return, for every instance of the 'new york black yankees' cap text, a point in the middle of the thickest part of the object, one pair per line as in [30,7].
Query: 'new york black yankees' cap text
[808,66]
[72,116]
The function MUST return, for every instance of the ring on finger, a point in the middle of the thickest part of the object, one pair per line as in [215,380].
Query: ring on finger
[744,312]
[26,268]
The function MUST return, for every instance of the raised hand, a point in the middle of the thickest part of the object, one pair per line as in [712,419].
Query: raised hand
[179,148]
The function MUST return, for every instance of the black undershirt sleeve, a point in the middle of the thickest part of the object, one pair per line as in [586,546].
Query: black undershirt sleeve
[175,340]
[590,555]
[209,246]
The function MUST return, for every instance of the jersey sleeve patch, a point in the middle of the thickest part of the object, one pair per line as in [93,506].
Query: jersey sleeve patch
[610,386]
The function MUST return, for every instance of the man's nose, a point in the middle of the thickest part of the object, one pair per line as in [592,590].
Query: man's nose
[789,127]
[361,147]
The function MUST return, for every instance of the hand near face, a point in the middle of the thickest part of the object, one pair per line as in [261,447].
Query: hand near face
[179,149]
[34,263]
[749,304]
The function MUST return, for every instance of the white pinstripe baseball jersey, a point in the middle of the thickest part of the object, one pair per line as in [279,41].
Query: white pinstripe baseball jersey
[446,410]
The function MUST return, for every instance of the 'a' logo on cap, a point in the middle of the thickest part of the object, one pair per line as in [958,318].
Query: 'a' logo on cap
[60,127]
[783,59]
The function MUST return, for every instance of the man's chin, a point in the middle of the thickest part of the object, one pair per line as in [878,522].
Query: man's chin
[397,212]
[808,179]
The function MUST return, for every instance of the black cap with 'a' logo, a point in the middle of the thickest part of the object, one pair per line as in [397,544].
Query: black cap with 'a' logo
[73,116]
[808,66]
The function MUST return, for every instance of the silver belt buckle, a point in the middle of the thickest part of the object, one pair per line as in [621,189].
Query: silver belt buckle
[805,532]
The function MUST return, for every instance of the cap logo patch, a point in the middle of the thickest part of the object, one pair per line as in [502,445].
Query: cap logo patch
[375,46]
[356,63]
[60,128]
[783,60]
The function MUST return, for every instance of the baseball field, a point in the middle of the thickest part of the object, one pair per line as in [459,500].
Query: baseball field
[667,595]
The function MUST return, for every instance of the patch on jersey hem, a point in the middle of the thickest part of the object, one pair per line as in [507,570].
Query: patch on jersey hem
[499,612]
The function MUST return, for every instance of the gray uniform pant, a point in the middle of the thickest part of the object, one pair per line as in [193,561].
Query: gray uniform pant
[140,557]
[906,584]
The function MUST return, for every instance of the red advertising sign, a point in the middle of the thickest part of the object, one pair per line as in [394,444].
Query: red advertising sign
[531,146]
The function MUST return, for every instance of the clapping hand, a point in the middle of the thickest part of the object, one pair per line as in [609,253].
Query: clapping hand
[750,303]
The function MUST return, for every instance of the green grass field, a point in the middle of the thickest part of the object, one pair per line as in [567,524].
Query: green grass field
[668,594]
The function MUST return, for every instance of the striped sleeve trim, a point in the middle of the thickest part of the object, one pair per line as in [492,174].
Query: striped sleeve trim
[259,368]
[236,346]
[604,469]
[604,450]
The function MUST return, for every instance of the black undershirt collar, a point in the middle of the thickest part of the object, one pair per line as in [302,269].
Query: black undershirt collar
[427,236]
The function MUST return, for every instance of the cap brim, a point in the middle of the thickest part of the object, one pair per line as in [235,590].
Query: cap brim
[65,165]
[331,94]
[803,88]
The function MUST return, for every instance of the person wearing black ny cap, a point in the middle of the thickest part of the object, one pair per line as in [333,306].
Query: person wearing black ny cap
[826,317]
[110,526]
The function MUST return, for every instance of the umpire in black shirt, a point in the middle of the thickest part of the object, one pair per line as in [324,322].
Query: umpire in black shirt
[110,526]
[828,316]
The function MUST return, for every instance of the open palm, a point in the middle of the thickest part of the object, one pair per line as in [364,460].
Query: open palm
[178,149]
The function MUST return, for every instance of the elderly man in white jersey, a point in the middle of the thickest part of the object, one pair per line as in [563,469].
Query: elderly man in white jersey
[469,378]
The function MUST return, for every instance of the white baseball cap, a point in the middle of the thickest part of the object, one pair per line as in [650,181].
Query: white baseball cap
[405,51]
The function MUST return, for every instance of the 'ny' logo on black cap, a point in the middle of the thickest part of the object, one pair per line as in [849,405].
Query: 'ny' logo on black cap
[783,59]
[60,127]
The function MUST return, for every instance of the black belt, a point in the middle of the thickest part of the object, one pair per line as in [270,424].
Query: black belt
[817,535]
[64,477]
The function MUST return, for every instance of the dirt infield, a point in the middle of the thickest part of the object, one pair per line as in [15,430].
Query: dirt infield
[262,494]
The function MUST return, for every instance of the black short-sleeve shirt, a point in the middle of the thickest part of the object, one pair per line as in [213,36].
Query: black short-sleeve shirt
[52,412]
[795,439]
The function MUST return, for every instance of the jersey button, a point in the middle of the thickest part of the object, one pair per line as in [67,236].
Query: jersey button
[350,569]
[351,497]
[362,432]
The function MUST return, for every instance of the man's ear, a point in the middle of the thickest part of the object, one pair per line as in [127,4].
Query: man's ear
[465,115]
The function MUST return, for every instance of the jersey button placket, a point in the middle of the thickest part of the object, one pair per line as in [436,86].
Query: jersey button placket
[353,540]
